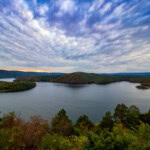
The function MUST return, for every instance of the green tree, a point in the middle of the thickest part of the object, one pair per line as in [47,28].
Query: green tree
[142,138]
[121,113]
[122,138]
[55,142]
[107,121]
[4,139]
[84,123]
[133,117]
[145,117]
[62,124]
[129,117]
[79,143]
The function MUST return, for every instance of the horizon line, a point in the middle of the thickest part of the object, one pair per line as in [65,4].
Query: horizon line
[29,70]
[46,71]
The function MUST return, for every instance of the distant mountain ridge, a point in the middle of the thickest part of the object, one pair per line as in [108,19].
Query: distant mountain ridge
[128,74]
[21,74]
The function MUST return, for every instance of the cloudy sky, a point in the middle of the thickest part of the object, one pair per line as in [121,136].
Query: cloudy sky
[75,35]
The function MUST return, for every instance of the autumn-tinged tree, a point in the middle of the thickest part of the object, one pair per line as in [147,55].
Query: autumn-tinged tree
[8,120]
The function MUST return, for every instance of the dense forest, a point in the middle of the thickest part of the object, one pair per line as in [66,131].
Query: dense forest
[88,78]
[16,86]
[126,129]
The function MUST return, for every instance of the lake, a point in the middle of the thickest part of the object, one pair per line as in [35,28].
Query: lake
[93,100]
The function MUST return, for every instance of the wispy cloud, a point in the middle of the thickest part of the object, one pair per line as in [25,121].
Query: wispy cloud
[70,35]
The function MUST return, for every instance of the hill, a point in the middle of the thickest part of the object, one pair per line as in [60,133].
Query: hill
[73,78]
[87,78]
[20,74]
[83,78]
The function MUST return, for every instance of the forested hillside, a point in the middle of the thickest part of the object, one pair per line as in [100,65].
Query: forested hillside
[16,86]
[88,78]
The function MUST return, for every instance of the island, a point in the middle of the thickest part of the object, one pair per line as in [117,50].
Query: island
[143,86]
[16,86]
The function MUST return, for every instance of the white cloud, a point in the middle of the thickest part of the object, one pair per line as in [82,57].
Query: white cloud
[95,5]
[22,9]
[66,6]
[106,8]
[26,41]
[43,9]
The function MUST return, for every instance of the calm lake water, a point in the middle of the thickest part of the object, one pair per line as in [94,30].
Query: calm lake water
[93,100]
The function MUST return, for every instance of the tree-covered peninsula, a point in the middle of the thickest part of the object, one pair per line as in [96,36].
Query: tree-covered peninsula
[126,129]
[16,86]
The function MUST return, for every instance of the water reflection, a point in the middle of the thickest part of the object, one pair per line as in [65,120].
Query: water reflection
[74,86]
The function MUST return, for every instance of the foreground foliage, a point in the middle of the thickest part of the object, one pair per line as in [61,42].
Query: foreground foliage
[126,129]
[16,86]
